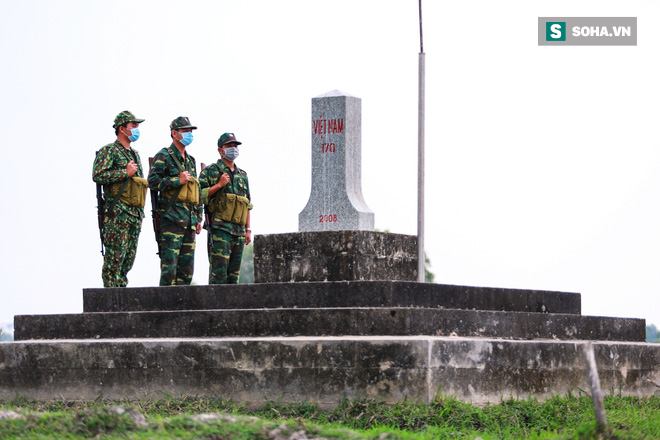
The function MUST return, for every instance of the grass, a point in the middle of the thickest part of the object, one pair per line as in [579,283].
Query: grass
[567,417]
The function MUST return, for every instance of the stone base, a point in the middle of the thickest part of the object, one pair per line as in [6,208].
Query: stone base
[323,341]
[317,309]
[322,369]
[335,256]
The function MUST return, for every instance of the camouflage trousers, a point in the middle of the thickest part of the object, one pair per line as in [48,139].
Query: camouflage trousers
[177,254]
[225,257]
[120,238]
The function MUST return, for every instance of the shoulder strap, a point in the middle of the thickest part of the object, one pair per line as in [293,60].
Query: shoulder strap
[111,206]
[231,179]
[122,188]
[130,155]
[123,151]
[172,199]
[176,159]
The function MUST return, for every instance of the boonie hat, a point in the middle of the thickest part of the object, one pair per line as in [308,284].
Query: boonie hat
[227,138]
[124,118]
[181,122]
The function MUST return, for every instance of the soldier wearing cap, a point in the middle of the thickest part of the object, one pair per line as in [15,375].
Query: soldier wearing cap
[118,168]
[226,192]
[173,175]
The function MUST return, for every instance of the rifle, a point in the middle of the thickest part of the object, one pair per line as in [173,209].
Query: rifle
[155,217]
[100,208]
[207,220]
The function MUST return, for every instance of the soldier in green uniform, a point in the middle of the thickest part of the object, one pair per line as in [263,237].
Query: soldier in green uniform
[118,168]
[226,192]
[173,175]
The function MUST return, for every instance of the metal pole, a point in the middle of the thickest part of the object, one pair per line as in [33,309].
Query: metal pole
[420,157]
[594,384]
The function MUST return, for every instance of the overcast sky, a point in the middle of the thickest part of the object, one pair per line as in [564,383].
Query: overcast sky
[541,166]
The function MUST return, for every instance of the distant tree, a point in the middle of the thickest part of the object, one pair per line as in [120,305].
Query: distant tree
[429,276]
[652,334]
[5,336]
[247,266]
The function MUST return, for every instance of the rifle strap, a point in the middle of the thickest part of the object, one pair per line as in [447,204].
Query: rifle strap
[101,211]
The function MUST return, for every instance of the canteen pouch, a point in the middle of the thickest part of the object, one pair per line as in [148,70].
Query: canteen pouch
[231,208]
[240,211]
[189,192]
[135,193]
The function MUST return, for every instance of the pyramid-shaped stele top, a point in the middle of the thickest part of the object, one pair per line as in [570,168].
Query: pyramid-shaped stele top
[334,93]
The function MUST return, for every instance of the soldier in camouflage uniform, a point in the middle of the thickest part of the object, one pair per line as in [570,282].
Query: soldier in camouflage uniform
[117,162]
[171,172]
[228,238]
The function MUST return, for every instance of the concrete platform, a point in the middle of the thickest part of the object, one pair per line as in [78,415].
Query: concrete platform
[328,294]
[320,369]
[327,322]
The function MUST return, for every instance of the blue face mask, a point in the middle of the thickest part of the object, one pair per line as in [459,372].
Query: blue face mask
[231,153]
[187,138]
[135,135]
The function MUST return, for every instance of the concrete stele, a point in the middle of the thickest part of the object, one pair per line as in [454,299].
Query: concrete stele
[336,202]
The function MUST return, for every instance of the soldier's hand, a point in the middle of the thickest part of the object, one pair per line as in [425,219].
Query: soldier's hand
[131,168]
[224,179]
[199,228]
[248,237]
[184,177]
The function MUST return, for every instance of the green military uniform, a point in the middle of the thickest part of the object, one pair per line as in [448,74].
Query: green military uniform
[122,225]
[228,238]
[179,220]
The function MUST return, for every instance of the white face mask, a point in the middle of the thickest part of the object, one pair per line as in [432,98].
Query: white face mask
[231,153]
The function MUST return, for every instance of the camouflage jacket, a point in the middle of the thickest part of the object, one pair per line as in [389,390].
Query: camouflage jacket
[164,175]
[110,167]
[238,184]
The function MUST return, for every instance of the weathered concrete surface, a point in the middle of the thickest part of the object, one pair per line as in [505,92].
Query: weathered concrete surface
[335,256]
[328,294]
[400,321]
[322,370]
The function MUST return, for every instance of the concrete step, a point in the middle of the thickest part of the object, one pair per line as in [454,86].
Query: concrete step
[328,294]
[400,321]
[323,370]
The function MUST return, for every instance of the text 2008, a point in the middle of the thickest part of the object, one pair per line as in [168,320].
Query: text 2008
[330,218]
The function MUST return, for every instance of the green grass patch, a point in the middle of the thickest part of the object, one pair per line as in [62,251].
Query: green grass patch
[567,417]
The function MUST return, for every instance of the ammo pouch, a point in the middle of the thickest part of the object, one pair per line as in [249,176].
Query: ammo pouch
[189,192]
[135,192]
[230,208]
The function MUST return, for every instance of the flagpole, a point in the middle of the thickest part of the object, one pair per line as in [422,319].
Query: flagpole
[421,276]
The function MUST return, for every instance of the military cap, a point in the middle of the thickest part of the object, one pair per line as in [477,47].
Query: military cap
[181,122]
[124,118]
[227,138]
